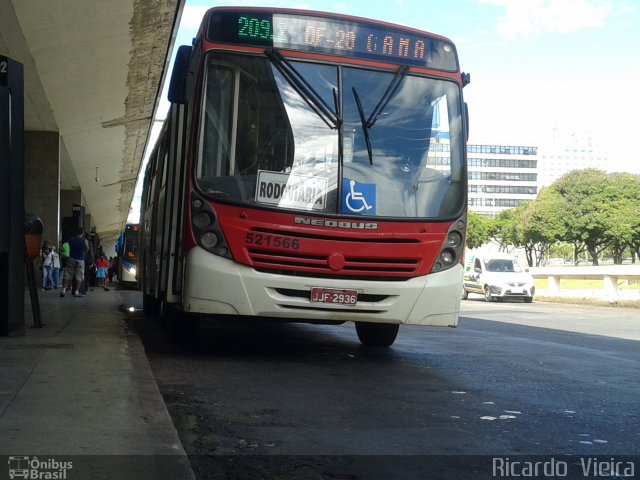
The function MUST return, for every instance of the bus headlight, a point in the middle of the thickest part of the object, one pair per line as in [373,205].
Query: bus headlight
[454,239]
[452,249]
[206,229]
[202,220]
[209,240]
[447,256]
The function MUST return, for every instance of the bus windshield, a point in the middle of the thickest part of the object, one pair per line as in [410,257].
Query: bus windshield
[331,139]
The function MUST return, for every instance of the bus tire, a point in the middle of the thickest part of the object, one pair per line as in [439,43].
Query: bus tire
[150,305]
[377,334]
[182,329]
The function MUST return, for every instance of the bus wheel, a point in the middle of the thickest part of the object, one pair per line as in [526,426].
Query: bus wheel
[377,334]
[150,305]
[182,329]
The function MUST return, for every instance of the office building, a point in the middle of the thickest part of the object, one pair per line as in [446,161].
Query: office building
[501,176]
[568,151]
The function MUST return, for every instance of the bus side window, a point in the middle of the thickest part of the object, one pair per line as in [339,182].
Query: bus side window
[217,123]
[249,110]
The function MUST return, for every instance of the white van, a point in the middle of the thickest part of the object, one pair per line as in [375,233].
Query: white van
[497,276]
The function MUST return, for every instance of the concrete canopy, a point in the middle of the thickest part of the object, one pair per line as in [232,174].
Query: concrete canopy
[93,73]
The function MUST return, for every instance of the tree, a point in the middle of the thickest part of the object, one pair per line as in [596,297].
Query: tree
[542,224]
[479,229]
[590,209]
[586,200]
[562,250]
[509,230]
[625,214]
[534,226]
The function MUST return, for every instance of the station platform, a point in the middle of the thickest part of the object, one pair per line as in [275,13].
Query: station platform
[80,390]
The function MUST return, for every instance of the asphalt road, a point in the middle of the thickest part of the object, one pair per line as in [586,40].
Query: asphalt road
[305,401]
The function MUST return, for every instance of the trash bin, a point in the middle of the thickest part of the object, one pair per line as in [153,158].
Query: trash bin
[32,236]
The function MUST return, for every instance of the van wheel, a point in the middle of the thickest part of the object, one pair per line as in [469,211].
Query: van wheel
[487,294]
[528,299]
[377,334]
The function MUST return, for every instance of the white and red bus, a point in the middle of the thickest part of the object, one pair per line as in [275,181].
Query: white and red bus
[312,168]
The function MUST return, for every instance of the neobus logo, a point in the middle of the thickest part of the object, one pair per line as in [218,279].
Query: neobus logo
[318,222]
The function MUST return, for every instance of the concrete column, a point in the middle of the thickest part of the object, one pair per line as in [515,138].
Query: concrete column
[553,285]
[88,222]
[42,180]
[67,199]
[611,287]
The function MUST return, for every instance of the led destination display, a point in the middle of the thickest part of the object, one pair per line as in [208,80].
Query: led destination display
[332,36]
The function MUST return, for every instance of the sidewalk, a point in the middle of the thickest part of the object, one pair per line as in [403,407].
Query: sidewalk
[80,389]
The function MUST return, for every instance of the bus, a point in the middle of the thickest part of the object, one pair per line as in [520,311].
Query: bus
[312,168]
[127,256]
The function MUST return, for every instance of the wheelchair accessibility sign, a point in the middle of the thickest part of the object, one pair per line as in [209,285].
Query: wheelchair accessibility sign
[358,197]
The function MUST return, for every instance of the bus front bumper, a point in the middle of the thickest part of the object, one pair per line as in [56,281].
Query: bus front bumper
[218,286]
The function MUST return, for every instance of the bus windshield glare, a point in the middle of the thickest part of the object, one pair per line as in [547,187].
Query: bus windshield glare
[330,139]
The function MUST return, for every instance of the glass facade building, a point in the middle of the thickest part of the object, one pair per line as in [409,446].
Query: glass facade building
[501,176]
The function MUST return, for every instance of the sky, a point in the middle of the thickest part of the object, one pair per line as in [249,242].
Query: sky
[536,65]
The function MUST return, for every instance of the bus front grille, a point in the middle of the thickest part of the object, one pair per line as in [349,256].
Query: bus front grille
[287,263]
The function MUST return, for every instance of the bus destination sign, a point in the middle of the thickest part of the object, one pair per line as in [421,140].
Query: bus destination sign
[333,36]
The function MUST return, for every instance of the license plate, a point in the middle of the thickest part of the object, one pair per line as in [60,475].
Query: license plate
[334,296]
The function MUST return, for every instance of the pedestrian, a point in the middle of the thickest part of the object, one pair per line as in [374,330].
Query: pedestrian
[55,271]
[74,271]
[89,266]
[44,251]
[64,254]
[111,270]
[47,267]
[101,274]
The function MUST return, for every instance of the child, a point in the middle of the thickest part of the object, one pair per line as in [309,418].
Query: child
[102,264]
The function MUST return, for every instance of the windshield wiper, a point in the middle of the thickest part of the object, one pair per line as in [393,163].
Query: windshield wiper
[304,89]
[363,122]
[384,100]
[391,89]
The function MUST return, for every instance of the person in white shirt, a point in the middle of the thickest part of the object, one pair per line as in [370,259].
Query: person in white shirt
[55,271]
[47,268]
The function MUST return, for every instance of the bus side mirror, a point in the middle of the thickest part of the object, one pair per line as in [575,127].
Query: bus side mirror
[178,83]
